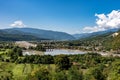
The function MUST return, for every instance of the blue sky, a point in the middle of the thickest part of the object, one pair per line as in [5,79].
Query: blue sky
[70,16]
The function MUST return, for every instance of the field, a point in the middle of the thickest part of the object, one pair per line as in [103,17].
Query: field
[2,51]
[20,71]
[89,66]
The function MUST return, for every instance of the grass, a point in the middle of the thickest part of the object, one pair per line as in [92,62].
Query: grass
[21,71]
[2,51]
[18,69]
[27,69]
[5,70]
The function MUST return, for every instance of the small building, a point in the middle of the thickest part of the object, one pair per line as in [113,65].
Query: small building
[115,34]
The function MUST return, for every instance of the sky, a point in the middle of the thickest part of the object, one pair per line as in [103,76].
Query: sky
[71,16]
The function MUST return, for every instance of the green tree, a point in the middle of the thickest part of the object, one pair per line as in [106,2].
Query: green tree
[59,76]
[19,52]
[42,74]
[115,71]
[96,73]
[62,62]
[74,74]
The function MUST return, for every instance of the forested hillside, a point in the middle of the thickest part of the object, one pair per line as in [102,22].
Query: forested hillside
[17,36]
[39,33]
[113,42]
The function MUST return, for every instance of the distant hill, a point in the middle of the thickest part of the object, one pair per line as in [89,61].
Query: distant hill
[6,36]
[33,34]
[113,42]
[94,34]
[108,39]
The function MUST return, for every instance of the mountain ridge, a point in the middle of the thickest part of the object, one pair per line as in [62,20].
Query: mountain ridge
[38,33]
[87,35]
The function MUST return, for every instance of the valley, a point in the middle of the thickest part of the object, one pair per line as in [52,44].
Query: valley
[59,39]
[52,50]
[85,59]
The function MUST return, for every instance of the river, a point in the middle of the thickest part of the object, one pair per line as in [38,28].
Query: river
[63,51]
[53,52]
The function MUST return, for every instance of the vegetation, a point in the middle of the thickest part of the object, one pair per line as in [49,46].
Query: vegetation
[62,62]
[90,66]
[38,48]
[28,34]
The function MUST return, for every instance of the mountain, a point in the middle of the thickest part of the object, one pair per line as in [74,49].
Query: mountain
[110,40]
[33,34]
[6,36]
[82,35]
[113,42]
[94,34]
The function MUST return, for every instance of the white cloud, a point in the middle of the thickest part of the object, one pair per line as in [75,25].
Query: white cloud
[104,22]
[18,23]
[93,29]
